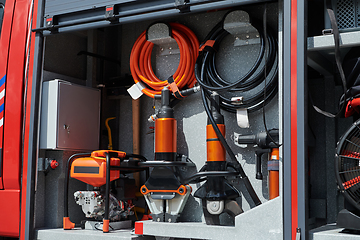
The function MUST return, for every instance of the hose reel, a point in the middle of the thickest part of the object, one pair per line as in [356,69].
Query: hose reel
[142,71]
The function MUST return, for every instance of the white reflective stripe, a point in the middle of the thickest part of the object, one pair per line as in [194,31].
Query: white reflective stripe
[2,94]
[1,122]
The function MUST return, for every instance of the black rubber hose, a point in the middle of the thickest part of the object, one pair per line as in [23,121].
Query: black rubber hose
[212,81]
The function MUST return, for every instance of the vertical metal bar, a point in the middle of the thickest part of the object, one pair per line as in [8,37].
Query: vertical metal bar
[286,60]
[301,115]
[107,190]
[66,186]
[67,177]
[33,129]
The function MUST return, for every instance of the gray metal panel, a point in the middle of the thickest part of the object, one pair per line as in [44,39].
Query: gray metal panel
[128,11]
[286,120]
[79,110]
[57,7]
[246,226]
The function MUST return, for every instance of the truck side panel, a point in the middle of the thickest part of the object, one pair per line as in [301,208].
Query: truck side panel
[4,55]
[13,45]
[14,99]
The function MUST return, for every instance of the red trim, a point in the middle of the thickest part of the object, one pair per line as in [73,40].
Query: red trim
[109,9]
[293,71]
[139,228]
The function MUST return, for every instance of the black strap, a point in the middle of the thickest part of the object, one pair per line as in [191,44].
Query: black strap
[174,89]
[336,36]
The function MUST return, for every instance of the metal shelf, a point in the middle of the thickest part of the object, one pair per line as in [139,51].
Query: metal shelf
[81,234]
[320,50]
[331,232]
[267,215]
[326,42]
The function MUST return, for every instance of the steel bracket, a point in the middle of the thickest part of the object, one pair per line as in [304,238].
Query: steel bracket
[110,15]
[182,5]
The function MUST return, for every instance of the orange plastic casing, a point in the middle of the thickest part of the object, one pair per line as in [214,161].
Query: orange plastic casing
[165,135]
[93,170]
[215,149]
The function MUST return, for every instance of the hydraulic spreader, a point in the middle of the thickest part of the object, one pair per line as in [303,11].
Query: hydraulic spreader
[217,194]
[164,191]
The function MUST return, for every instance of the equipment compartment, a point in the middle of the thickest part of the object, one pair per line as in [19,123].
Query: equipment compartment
[103,50]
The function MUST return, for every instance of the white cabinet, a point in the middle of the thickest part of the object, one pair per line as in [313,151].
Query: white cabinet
[70,116]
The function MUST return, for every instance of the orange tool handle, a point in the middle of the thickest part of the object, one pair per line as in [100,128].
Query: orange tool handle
[215,149]
[165,135]
[273,167]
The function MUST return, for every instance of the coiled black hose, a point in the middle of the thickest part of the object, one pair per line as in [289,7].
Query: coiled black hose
[210,80]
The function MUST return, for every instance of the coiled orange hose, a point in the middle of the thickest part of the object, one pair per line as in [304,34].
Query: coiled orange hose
[140,62]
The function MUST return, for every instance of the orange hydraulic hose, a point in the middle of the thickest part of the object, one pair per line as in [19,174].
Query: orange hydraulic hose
[184,76]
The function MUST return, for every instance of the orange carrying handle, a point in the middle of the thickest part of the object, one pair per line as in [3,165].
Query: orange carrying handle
[140,62]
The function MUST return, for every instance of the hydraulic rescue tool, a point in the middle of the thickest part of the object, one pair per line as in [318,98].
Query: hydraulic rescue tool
[96,169]
[217,194]
[217,89]
[267,142]
[164,191]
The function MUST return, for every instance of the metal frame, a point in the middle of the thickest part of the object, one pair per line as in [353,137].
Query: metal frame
[125,12]
[295,219]
[287,155]
[31,130]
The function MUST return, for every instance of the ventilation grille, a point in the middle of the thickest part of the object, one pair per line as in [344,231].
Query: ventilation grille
[347,13]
